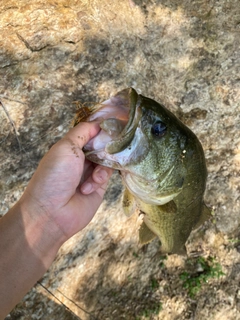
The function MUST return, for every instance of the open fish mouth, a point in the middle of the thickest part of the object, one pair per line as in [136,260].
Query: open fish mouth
[119,138]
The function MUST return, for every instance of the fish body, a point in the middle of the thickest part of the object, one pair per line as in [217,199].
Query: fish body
[161,161]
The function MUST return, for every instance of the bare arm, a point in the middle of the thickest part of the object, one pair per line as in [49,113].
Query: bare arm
[61,199]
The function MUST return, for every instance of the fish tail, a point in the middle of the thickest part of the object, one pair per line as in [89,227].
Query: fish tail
[169,249]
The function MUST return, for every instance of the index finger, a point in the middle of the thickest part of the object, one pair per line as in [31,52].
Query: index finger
[83,132]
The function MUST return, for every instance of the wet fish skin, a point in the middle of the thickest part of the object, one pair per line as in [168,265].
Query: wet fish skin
[164,173]
[180,150]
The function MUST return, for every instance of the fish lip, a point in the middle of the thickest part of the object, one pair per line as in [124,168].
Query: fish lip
[127,99]
[127,134]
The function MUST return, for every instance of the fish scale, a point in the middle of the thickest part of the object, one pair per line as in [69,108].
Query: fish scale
[161,162]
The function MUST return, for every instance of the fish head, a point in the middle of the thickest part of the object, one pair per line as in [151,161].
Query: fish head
[152,149]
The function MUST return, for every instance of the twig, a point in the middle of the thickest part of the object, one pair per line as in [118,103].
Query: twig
[12,123]
[18,101]
[66,307]
[75,303]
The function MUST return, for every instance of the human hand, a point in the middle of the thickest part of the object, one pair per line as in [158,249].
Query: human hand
[66,187]
[60,199]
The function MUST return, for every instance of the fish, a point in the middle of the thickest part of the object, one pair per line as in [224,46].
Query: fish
[161,162]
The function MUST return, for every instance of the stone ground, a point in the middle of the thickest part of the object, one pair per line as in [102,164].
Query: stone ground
[183,53]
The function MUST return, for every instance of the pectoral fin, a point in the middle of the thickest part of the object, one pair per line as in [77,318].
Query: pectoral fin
[128,203]
[145,234]
[205,215]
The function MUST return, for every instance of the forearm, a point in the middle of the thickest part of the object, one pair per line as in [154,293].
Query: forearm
[28,244]
[54,207]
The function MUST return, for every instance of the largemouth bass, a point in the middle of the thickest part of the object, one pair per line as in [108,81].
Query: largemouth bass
[161,162]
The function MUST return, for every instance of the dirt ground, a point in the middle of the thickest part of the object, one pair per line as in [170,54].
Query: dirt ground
[184,54]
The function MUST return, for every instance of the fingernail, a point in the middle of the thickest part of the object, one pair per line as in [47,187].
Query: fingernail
[101,175]
[86,187]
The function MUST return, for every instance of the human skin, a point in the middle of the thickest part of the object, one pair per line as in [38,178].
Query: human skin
[59,201]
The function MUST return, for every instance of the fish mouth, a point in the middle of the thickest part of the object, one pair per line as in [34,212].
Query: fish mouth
[119,118]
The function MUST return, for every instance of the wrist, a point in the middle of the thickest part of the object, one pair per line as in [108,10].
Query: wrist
[28,242]
[41,233]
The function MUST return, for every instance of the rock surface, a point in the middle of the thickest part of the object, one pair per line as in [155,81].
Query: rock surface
[184,54]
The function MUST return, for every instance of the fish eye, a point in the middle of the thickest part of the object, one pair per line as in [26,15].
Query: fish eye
[159,129]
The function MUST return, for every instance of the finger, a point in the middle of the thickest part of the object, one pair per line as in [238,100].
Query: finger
[83,132]
[102,189]
[99,177]
[88,168]
[101,174]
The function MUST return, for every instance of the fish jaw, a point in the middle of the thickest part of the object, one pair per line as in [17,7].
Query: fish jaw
[120,160]
[119,117]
